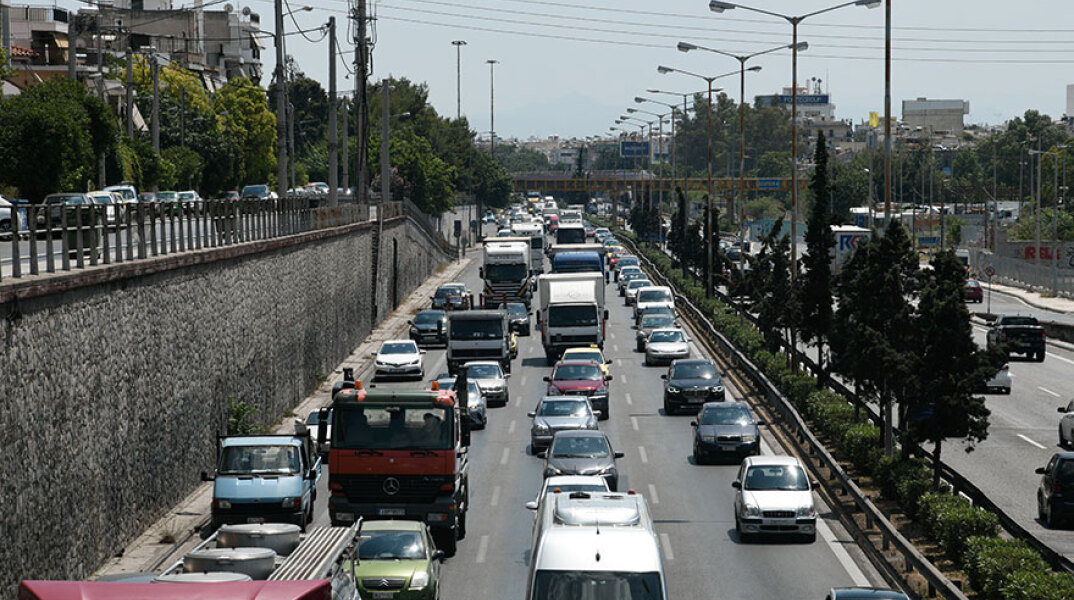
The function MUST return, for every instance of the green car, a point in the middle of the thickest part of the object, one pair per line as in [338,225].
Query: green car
[397,560]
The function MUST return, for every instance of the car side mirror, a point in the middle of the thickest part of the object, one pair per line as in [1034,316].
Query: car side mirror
[761,422]
[619,455]
[481,272]
[547,378]
[597,413]
[313,473]
[421,351]
[300,427]
[506,375]
[439,555]
[206,477]
[664,376]
[410,322]
[736,484]
[608,378]
[1039,471]
[814,484]
[532,505]
[531,414]
[1062,409]
[542,454]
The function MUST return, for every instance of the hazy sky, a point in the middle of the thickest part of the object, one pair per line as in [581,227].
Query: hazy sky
[570,68]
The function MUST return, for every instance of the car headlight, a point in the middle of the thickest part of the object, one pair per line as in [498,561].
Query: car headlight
[749,437]
[223,504]
[718,389]
[414,331]
[540,428]
[708,438]
[292,502]
[550,471]
[750,510]
[419,580]
[673,390]
[805,511]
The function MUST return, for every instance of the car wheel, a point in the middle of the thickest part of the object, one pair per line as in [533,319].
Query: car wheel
[641,347]
[1049,517]
[5,226]
[668,411]
[648,363]
[1040,356]
[699,459]
[303,520]
[743,537]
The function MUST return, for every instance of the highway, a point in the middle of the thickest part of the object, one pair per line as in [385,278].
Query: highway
[691,504]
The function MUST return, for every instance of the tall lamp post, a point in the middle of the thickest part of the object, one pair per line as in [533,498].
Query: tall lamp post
[659,145]
[674,110]
[642,124]
[718,6]
[492,123]
[458,77]
[663,70]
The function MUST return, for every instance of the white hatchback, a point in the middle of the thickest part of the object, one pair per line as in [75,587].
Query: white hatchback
[773,495]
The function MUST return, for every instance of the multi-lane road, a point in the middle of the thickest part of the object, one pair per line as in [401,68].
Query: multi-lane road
[703,557]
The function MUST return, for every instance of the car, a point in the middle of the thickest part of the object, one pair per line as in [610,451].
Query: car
[584,452]
[568,484]
[865,593]
[630,291]
[397,559]
[312,424]
[655,318]
[110,204]
[665,345]
[725,430]
[592,352]
[1055,495]
[168,203]
[476,404]
[581,378]
[231,196]
[429,327]
[627,260]
[774,495]
[559,413]
[489,376]
[627,275]
[657,295]
[1066,426]
[1001,381]
[973,292]
[7,223]
[453,296]
[258,192]
[52,216]
[399,358]
[519,316]
[691,382]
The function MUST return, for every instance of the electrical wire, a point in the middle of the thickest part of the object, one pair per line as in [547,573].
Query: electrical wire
[294,20]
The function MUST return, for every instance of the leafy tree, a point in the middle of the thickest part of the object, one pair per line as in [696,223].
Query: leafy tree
[427,178]
[188,166]
[491,186]
[816,290]
[516,159]
[774,298]
[243,114]
[764,208]
[952,366]
[310,111]
[6,70]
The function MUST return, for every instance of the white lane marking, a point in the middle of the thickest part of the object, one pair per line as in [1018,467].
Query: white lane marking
[1057,357]
[1049,392]
[665,543]
[1031,441]
[495,496]
[522,380]
[615,348]
[841,554]
[511,427]
[629,400]
[506,454]
[634,423]
[653,496]
[623,379]
[482,549]
[644,456]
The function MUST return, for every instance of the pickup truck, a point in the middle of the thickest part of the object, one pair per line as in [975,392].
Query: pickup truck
[1018,334]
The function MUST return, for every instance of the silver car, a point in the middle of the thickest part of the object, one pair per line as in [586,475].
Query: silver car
[630,292]
[774,495]
[560,413]
[476,404]
[665,345]
[491,379]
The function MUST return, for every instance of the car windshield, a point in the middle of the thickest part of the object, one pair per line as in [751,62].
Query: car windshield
[973,284]
[511,272]
[666,337]
[654,321]
[399,348]
[627,260]
[776,477]
[632,274]
[391,545]
[469,329]
[358,427]
[449,290]
[638,283]
[428,318]
[726,415]
[654,296]
[694,371]
[259,460]
[562,408]
[590,446]
[597,585]
[166,195]
[516,310]
[577,372]
[255,190]
[186,195]
[572,316]
[484,371]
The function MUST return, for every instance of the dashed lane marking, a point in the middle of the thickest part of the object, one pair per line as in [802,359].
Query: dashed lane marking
[522,380]
[1049,392]
[644,456]
[634,423]
[653,496]
[506,455]
[665,543]
[482,549]
[495,496]
[1057,357]
[629,400]
[511,427]
[1031,441]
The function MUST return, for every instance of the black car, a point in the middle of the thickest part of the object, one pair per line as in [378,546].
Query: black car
[519,317]
[725,430]
[691,382]
[584,452]
[1055,496]
[429,327]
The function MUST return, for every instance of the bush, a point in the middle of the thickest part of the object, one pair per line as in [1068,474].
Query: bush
[951,519]
[1038,585]
[798,387]
[861,444]
[910,489]
[989,562]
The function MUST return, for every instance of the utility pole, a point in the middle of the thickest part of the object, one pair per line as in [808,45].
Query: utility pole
[385,134]
[154,70]
[458,77]
[72,53]
[333,127]
[101,165]
[130,91]
[281,104]
[361,108]
[492,124]
[182,116]
[5,28]
[346,151]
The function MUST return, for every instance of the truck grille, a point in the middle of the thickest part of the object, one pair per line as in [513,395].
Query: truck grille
[413,489]
[489,353]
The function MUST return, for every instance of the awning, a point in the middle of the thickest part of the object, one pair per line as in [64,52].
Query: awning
[61,42]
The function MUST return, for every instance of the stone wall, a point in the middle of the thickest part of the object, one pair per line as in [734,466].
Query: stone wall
[116,380]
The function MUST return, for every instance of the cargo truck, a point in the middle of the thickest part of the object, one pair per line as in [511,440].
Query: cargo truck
[506,272]
[534,231]
[847,238]
[478,335]
[571,312]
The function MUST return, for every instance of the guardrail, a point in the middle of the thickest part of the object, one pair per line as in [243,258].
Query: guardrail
[809,444]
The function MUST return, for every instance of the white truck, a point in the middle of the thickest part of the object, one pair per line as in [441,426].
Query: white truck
[571,312]
[533,230]
[847,238]
[506,272]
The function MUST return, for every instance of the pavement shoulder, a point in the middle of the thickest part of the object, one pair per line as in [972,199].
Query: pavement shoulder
[1035,299]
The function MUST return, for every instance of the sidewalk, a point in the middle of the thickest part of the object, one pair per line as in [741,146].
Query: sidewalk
[178,530]
[1034,299]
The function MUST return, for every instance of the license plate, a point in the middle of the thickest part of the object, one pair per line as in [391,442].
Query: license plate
[257,520]
[391,512]
[781,522]
[383,595]
[695,400]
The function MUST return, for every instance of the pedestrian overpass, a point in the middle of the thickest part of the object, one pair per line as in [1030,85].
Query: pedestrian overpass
[550,183]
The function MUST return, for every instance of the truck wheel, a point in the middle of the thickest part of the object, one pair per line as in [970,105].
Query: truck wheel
[1040,356]
[462,526]
[445,540]
[550,357]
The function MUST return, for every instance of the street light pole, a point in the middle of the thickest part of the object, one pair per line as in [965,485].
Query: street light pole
[281,104]
[333,126]
[458,77]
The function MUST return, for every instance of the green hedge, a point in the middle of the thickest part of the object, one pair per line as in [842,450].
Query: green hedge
[951,520]
[862,444]
[989,562]
[1039,585]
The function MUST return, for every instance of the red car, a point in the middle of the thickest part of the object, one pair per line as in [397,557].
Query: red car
[973,292]
[581,378]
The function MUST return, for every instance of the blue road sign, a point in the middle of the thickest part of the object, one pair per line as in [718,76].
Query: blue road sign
[768,184]
[633,149]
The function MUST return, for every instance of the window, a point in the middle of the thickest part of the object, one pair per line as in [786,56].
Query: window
[260,460]
[572,316]
[776,477]
[466,329]
[562,408]
[428,318]
[512,272]
[654,296]
[393,428]
[666,337]
[596,585]
[580,447]
[484,371]
[726,415]
[391,545]
[577,372]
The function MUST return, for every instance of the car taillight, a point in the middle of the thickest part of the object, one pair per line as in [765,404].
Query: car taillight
[1057,488]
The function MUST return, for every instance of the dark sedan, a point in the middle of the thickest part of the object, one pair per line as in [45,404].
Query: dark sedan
[1055,500]
[519,317]
[691,382]
[429,327]
[725,430]
[583,452]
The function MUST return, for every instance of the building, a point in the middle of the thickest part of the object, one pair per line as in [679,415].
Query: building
[1068,116]
[816,112]
[938,116]
[37,37]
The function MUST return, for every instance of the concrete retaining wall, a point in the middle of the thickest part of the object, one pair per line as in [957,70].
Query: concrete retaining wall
[116,380]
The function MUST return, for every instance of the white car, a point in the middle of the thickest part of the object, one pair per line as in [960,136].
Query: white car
[666,344]
[491,379]
[656,295]
[632,287]
[1001,381]
[1066,425]
[111,203]
[476,404]
[567,484]
[773,494]
[399,358]
[189,196]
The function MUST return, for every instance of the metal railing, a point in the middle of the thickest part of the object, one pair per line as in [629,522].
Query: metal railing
[50,238]
[1038,277]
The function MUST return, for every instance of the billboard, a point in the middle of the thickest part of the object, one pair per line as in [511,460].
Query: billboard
[633,149]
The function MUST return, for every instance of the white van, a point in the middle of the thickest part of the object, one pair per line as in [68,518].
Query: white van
[596,545]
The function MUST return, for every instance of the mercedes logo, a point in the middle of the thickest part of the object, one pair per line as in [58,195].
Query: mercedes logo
[391,486]
[384,583]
